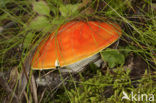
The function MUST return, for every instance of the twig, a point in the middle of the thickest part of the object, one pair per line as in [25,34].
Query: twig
[34,89]
[26,97]
[42,95]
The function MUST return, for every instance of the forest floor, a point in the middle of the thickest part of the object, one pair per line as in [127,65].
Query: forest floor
[128,76]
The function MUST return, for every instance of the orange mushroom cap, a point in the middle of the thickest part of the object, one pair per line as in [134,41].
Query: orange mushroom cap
[74,41]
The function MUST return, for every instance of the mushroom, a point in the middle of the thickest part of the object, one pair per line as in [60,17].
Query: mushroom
[74,45]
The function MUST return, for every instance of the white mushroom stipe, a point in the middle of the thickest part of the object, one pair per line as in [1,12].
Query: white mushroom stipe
[41,82]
